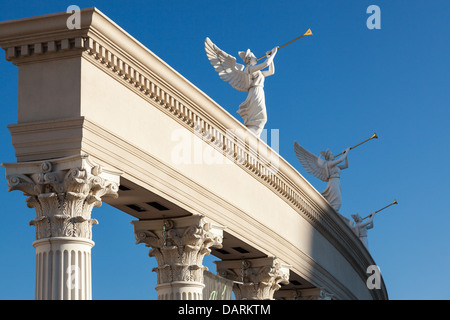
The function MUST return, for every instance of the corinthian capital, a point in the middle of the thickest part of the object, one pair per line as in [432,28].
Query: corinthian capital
[255,279]
[179,246]
[63,192]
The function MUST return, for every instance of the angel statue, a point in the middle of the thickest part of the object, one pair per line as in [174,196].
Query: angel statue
[327,170]
[248,78]
[360,227]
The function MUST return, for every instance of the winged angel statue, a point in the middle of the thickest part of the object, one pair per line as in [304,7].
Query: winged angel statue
[327,170]
[248,78]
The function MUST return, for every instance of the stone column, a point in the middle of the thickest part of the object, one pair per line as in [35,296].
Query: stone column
[179,246]
[63,193]
[255,279]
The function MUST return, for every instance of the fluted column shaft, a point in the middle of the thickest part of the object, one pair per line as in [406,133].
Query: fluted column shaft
[63,269]
[63,193]
[179,246]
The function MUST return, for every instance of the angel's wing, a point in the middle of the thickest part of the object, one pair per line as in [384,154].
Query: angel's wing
[226,67]
[310,162]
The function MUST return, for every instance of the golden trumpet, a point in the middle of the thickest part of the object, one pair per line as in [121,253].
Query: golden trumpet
[307,33]
[395,202]
[374,136]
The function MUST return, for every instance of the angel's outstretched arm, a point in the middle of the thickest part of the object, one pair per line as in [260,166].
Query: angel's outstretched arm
[345,165]
[271,71]
[333,163]
[260,66]
[340,159]
[369,223]
[267,63]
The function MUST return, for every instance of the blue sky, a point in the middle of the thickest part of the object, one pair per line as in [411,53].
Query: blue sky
[331,90]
